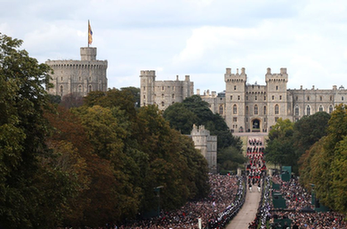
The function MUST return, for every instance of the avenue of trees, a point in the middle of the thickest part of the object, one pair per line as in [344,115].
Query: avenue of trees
[316,148]
[193,110]
[88,165]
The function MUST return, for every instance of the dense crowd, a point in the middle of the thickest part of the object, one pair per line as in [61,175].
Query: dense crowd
[224,201]
[300,210]
[256,165]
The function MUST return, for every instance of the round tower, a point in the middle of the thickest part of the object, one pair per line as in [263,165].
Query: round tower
[78,77]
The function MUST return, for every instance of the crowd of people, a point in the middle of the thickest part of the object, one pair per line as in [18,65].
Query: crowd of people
[224,201]
[300,210]
[256,167]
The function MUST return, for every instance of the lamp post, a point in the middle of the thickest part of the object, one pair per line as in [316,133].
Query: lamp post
[157,190]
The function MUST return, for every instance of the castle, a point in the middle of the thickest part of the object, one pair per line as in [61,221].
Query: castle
[207,145]
[78,77]
[246,107]
[163,93]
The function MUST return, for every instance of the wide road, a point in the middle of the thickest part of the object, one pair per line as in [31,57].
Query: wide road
[248,211]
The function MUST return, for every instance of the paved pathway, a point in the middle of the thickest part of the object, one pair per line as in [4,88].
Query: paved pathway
[248,211]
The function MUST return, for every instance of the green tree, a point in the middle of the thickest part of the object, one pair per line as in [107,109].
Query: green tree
[29,197]
[181,118]
[308,130]
[324,164]
[135,91]
[279,148]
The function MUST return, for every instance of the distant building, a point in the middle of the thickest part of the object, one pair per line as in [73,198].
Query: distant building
[163,93]
[78,77]
[249,107]
[207,145]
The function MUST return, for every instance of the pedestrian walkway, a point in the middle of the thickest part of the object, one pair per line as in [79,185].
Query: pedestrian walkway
[248,211]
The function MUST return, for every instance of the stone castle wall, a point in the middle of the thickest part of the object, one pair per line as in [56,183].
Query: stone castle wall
[163,93]
[78,76]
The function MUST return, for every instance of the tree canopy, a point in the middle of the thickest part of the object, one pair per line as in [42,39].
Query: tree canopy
[324,163]
[89,163]
[193,110]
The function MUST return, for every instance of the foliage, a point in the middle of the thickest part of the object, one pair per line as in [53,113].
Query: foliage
[308,130]
[230,159]
[33,187]
[279,148]
[194,110]
[136,94]
[324,164]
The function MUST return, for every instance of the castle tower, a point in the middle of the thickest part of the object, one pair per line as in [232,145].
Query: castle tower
[147,87]
[235,99]
[276,90]
[207,145]
[163,93]
[78,76]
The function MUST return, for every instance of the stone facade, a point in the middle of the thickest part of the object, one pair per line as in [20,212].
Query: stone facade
[163,93]
[207,145]
[255,108]
[78,76]
[247,107]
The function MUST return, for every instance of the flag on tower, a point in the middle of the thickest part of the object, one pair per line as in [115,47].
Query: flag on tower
[90,34]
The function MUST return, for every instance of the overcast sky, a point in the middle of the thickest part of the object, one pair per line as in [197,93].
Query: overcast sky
[200,38]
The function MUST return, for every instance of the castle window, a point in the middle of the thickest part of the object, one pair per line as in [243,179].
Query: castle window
[221,110]
[144,88]
[320,108]
[276,118]
[61,90]
[234,87]
[296,111]
[162,96]
[296,98]
[79,78]
[79,88]
[246,97]
[342,98]
[173,96]
[234,119]
[90,88]
[144,96]
[273,97]
[308,98]
[264,110]
[276,88]
[320,98]
[238,97]
[162,104]
[277,109]
[331,109]
[234,109]
[255,109]
[264,98]
[162,88]
[331,98]
[280,97]
[256,98]
[231,97]
[308,110]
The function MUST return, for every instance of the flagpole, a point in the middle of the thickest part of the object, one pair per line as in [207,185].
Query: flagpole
[88,34]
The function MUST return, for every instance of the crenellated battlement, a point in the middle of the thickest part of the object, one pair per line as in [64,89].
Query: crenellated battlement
[282,76]
[229,76]
[147,73]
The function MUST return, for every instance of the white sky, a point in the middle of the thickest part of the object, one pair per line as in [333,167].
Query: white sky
[200,38]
